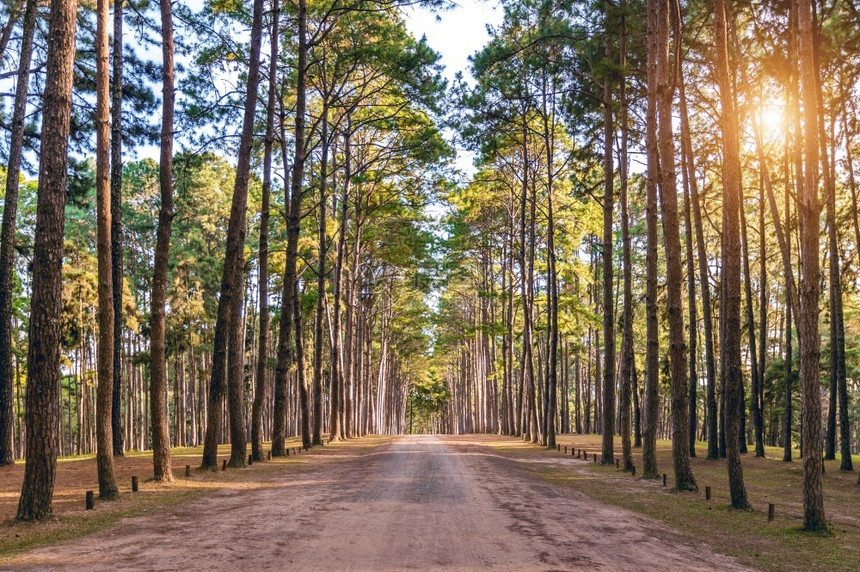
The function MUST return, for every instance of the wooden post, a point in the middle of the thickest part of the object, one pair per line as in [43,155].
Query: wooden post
[269,456]
[224,465]
[664,479]
[707,493]
[187,470]
[565,450]
[617,463]
[250,459]
[558,447]
[91,503]
[134,484]
[770,510]
[634,470]
[595,457]
[288,451]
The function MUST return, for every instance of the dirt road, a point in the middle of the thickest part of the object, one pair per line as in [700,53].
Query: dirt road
[417,503]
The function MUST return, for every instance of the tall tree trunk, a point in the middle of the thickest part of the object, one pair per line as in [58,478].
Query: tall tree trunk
[7,235]
[608,452]
[263,264]
[319,325]
[758,396]
[104,407]
[666,80]
[753,349]
[730,315]
[691,302]
[43,353]
[231,280]
[704,278]
[116,225]
[649,434]
[236,378]
[627,358]
[158,365]
[809,214]
[338,381]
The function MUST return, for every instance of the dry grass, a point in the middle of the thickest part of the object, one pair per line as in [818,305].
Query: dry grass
[777,545]
[76,475]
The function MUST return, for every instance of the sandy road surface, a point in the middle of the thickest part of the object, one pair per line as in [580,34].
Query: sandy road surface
[417,503]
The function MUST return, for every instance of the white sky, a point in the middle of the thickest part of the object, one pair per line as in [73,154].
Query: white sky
[456,33]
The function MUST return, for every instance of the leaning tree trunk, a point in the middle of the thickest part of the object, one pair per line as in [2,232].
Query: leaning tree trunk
[7,235]
[158,365]
[43,353]
[809,214]
[231,279]
[684,480]
[104,401]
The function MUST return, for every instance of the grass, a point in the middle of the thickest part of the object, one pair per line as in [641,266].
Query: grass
[76,475]
[747,535]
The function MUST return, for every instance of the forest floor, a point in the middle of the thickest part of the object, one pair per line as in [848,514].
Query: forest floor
[77,474]
[748,536]
[468,502]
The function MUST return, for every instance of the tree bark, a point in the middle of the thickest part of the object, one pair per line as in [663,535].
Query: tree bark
[704,279]
[608,452]
[319,325]
[263,264]
[158,365]
[7,235]
[684,480]
[730,316]
[104,407]
[627,358]
[809,213]
[43,352]
[231,279]
[116,225]
[649,433]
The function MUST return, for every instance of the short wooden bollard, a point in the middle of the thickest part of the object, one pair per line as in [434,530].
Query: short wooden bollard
[187,470]
[617,463]
[664,479]
[91,501]
[565,450]
[287,452]
[558,447]
[707,493]
[770,510]
[595,457]
[224,465]
[134,484]
[269,456]
[634,470]
[251,459]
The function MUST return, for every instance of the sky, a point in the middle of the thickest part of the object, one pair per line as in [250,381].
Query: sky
[456,34]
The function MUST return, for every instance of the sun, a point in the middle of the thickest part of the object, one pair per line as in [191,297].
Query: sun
[772,117]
